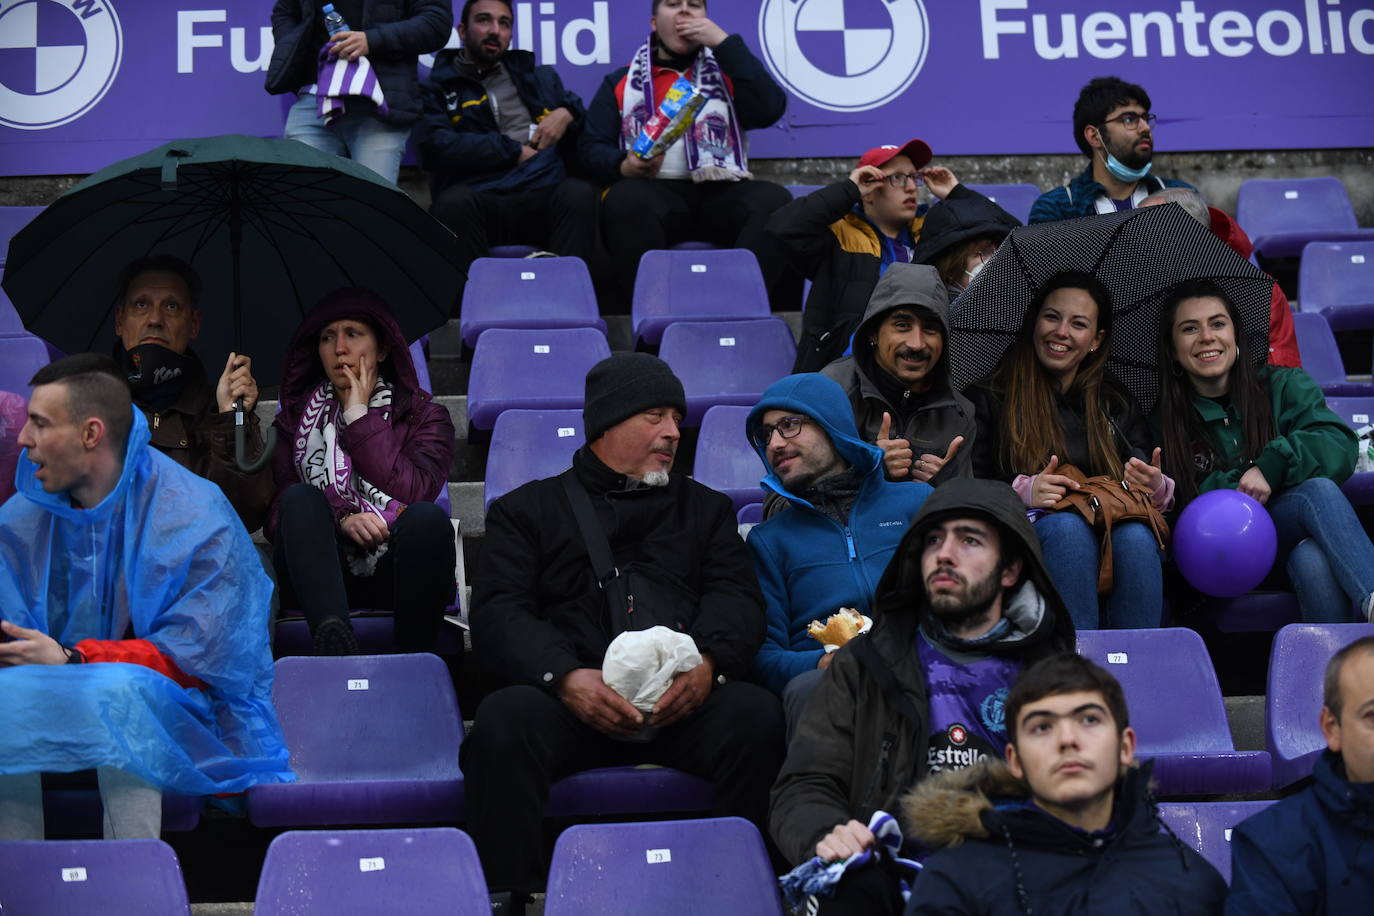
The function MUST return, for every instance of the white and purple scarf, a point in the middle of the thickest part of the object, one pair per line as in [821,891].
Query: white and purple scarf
[322,462]
[338,79]
[715,148]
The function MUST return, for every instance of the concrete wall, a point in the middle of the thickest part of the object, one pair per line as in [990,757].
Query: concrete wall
[1217,175]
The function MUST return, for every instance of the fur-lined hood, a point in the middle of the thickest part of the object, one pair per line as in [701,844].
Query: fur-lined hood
[947,808]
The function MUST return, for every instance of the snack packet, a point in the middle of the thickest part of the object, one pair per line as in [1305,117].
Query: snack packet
[675,114]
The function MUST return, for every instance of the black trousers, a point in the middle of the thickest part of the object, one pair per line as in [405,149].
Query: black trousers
[868,891]
[562,219]
[414,578]
[640,214]
[524,738]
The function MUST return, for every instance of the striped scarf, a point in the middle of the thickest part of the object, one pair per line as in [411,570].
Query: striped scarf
[339,79]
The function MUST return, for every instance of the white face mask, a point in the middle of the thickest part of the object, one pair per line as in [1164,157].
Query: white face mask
[977,268]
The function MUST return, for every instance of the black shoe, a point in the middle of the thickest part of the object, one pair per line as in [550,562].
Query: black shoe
[335,637]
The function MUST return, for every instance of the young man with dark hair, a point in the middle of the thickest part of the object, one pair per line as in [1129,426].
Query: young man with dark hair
[498,135]
[111,552]
[1113,126]
[1066,824]
[964,605]
[700,188]
[191,417]
[1313,853]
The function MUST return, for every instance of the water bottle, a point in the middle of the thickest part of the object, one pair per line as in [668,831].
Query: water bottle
[333,22]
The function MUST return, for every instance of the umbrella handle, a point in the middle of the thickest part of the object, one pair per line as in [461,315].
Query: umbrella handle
[269,442]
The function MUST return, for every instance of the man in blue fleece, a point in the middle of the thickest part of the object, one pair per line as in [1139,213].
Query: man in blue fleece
[829,547]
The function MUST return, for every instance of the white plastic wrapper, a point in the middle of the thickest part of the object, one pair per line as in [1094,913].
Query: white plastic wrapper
[641,664]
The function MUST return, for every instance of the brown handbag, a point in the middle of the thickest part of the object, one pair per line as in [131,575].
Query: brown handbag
[1103,501]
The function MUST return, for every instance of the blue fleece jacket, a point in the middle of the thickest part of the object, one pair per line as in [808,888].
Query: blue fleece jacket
[808,565]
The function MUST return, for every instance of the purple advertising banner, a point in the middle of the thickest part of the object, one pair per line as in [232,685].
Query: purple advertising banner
[84,83]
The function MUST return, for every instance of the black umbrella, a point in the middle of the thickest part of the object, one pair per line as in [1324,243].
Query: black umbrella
[1138,254]
[270,226]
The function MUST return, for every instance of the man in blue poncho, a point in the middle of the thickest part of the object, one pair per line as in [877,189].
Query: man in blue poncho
[134,616]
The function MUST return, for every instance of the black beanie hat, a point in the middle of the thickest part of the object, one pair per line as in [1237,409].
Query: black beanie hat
[623,385]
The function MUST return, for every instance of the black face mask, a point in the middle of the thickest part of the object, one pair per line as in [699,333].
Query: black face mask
[157,374]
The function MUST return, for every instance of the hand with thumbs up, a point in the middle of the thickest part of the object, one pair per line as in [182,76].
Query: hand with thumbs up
[927,466]
[1049,488]
[896,452]
[1147,477]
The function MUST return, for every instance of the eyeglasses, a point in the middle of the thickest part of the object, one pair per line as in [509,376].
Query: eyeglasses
[787,427]
[1131,119]
[900,180]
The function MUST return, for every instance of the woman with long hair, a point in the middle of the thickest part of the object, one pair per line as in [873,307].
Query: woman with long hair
[1053,403]
[1266,431]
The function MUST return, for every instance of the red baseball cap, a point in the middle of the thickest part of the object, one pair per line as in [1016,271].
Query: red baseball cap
[918,151]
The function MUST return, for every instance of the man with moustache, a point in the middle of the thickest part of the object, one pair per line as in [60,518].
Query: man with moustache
[1113,126]
[191,418]
[543,614]
[497,135]
[897,379]
[964,606]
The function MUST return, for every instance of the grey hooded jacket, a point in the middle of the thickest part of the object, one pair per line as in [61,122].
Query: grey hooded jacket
[929,420]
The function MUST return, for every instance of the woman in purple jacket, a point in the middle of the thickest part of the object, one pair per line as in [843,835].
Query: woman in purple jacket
[362,452]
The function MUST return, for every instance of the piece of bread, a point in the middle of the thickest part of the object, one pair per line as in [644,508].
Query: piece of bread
[839,629]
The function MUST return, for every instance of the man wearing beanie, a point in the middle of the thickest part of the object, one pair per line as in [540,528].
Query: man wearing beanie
[541,624]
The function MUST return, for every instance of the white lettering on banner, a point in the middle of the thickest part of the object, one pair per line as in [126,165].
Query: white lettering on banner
[65,57]
[1230,33]
[189,38]
[599,27]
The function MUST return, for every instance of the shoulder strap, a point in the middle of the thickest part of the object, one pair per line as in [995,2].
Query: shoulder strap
[598,549]
[887,682]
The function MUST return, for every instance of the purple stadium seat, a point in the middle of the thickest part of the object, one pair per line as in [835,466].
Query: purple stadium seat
[1254,612]
[531,369]
[721,285]
[1337,280]
[530,445]
[76,812]
[538,293]
[92,878]
[373,738]
[419,872]
[725,460]
[628,790]
[727,362]
[1293,698]
[1281,215]
[20,358]
[511,251]
[11,325]
[421,361]
[1357,413]
[668,868]
[375,630]
[1016,199]
[1207,826]
[1321,358]
[751,514]
[801,190]
[12,219]
[1164,673]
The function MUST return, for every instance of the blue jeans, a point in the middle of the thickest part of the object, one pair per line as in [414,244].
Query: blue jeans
[355,135]
[1325,551]
[1071,551]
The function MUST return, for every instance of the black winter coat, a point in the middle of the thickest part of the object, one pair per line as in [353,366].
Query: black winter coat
[398,32]
[855,751]
[458,136]
[1015,859]
[537,611]
[759,102]
[1130,430]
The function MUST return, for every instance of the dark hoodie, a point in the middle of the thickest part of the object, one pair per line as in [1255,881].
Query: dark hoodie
[957,220]
[408,458]
[1000,854]
[859,746]
[929,420]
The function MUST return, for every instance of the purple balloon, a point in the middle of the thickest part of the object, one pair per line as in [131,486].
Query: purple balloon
[1224,543]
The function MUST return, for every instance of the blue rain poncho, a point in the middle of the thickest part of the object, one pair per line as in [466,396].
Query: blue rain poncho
[163,558]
